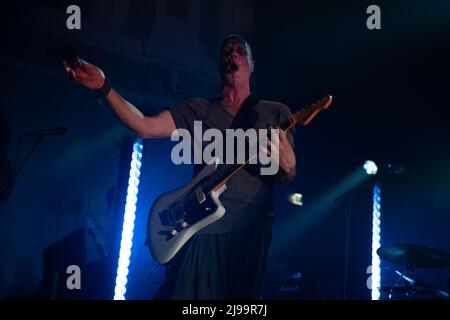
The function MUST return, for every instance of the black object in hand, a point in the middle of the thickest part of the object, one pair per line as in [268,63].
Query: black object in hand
[69,54]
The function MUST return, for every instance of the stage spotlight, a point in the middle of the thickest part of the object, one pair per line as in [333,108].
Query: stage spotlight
[370,167]
[316,209]
[296,199]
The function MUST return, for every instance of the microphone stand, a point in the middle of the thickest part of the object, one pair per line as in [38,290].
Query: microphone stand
[348,211]
[347,198]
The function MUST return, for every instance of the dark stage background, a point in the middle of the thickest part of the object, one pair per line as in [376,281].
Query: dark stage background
[390,90]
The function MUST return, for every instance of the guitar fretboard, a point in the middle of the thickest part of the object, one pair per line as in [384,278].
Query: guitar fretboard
[225,171]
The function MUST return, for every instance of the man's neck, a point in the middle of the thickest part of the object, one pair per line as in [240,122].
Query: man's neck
[234,96]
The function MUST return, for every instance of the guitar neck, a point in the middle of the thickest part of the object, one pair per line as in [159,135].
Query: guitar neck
[302,117]
[226,171]
[221,176]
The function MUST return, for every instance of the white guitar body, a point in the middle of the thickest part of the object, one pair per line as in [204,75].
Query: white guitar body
[162,241]
[177,215]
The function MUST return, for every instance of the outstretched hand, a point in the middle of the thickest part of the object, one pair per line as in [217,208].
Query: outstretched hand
[85,74]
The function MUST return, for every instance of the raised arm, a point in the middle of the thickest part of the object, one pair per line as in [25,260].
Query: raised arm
[92,77]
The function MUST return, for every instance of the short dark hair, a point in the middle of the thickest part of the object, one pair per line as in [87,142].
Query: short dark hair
[239,38]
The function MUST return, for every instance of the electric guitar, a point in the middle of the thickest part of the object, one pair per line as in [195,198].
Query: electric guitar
[179,214]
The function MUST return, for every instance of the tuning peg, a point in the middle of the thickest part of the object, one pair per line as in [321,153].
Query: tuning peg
[173,232]
[184,224]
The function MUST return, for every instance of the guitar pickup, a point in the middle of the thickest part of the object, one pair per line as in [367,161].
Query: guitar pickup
[200,195]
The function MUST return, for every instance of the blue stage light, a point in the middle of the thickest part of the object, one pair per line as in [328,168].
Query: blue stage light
[376,241]
[128,222]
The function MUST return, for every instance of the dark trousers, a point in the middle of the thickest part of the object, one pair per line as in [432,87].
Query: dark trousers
[219,266]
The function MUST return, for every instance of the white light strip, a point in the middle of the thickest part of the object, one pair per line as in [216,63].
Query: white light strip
[128,222]
[376,240]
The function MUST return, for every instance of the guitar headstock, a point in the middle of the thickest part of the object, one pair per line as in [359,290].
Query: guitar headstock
[305,115]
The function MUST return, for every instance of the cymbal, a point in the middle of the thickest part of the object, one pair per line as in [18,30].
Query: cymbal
[414,256]
[413,292]
[395,289]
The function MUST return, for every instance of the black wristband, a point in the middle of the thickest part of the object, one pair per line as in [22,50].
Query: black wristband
[105,89]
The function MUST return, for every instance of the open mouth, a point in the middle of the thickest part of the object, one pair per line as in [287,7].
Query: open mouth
[231,67]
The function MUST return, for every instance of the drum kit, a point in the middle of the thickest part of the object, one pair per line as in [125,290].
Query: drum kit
[411,257]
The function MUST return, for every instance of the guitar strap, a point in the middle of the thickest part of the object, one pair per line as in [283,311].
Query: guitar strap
[245,119]
[246,116]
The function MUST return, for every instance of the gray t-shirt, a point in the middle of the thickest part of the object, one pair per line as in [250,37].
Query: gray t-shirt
[248,197]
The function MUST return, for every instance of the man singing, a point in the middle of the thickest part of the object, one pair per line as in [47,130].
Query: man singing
[227,259]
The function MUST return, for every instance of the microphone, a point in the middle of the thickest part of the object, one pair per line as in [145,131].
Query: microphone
[46,132]
[70,55]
